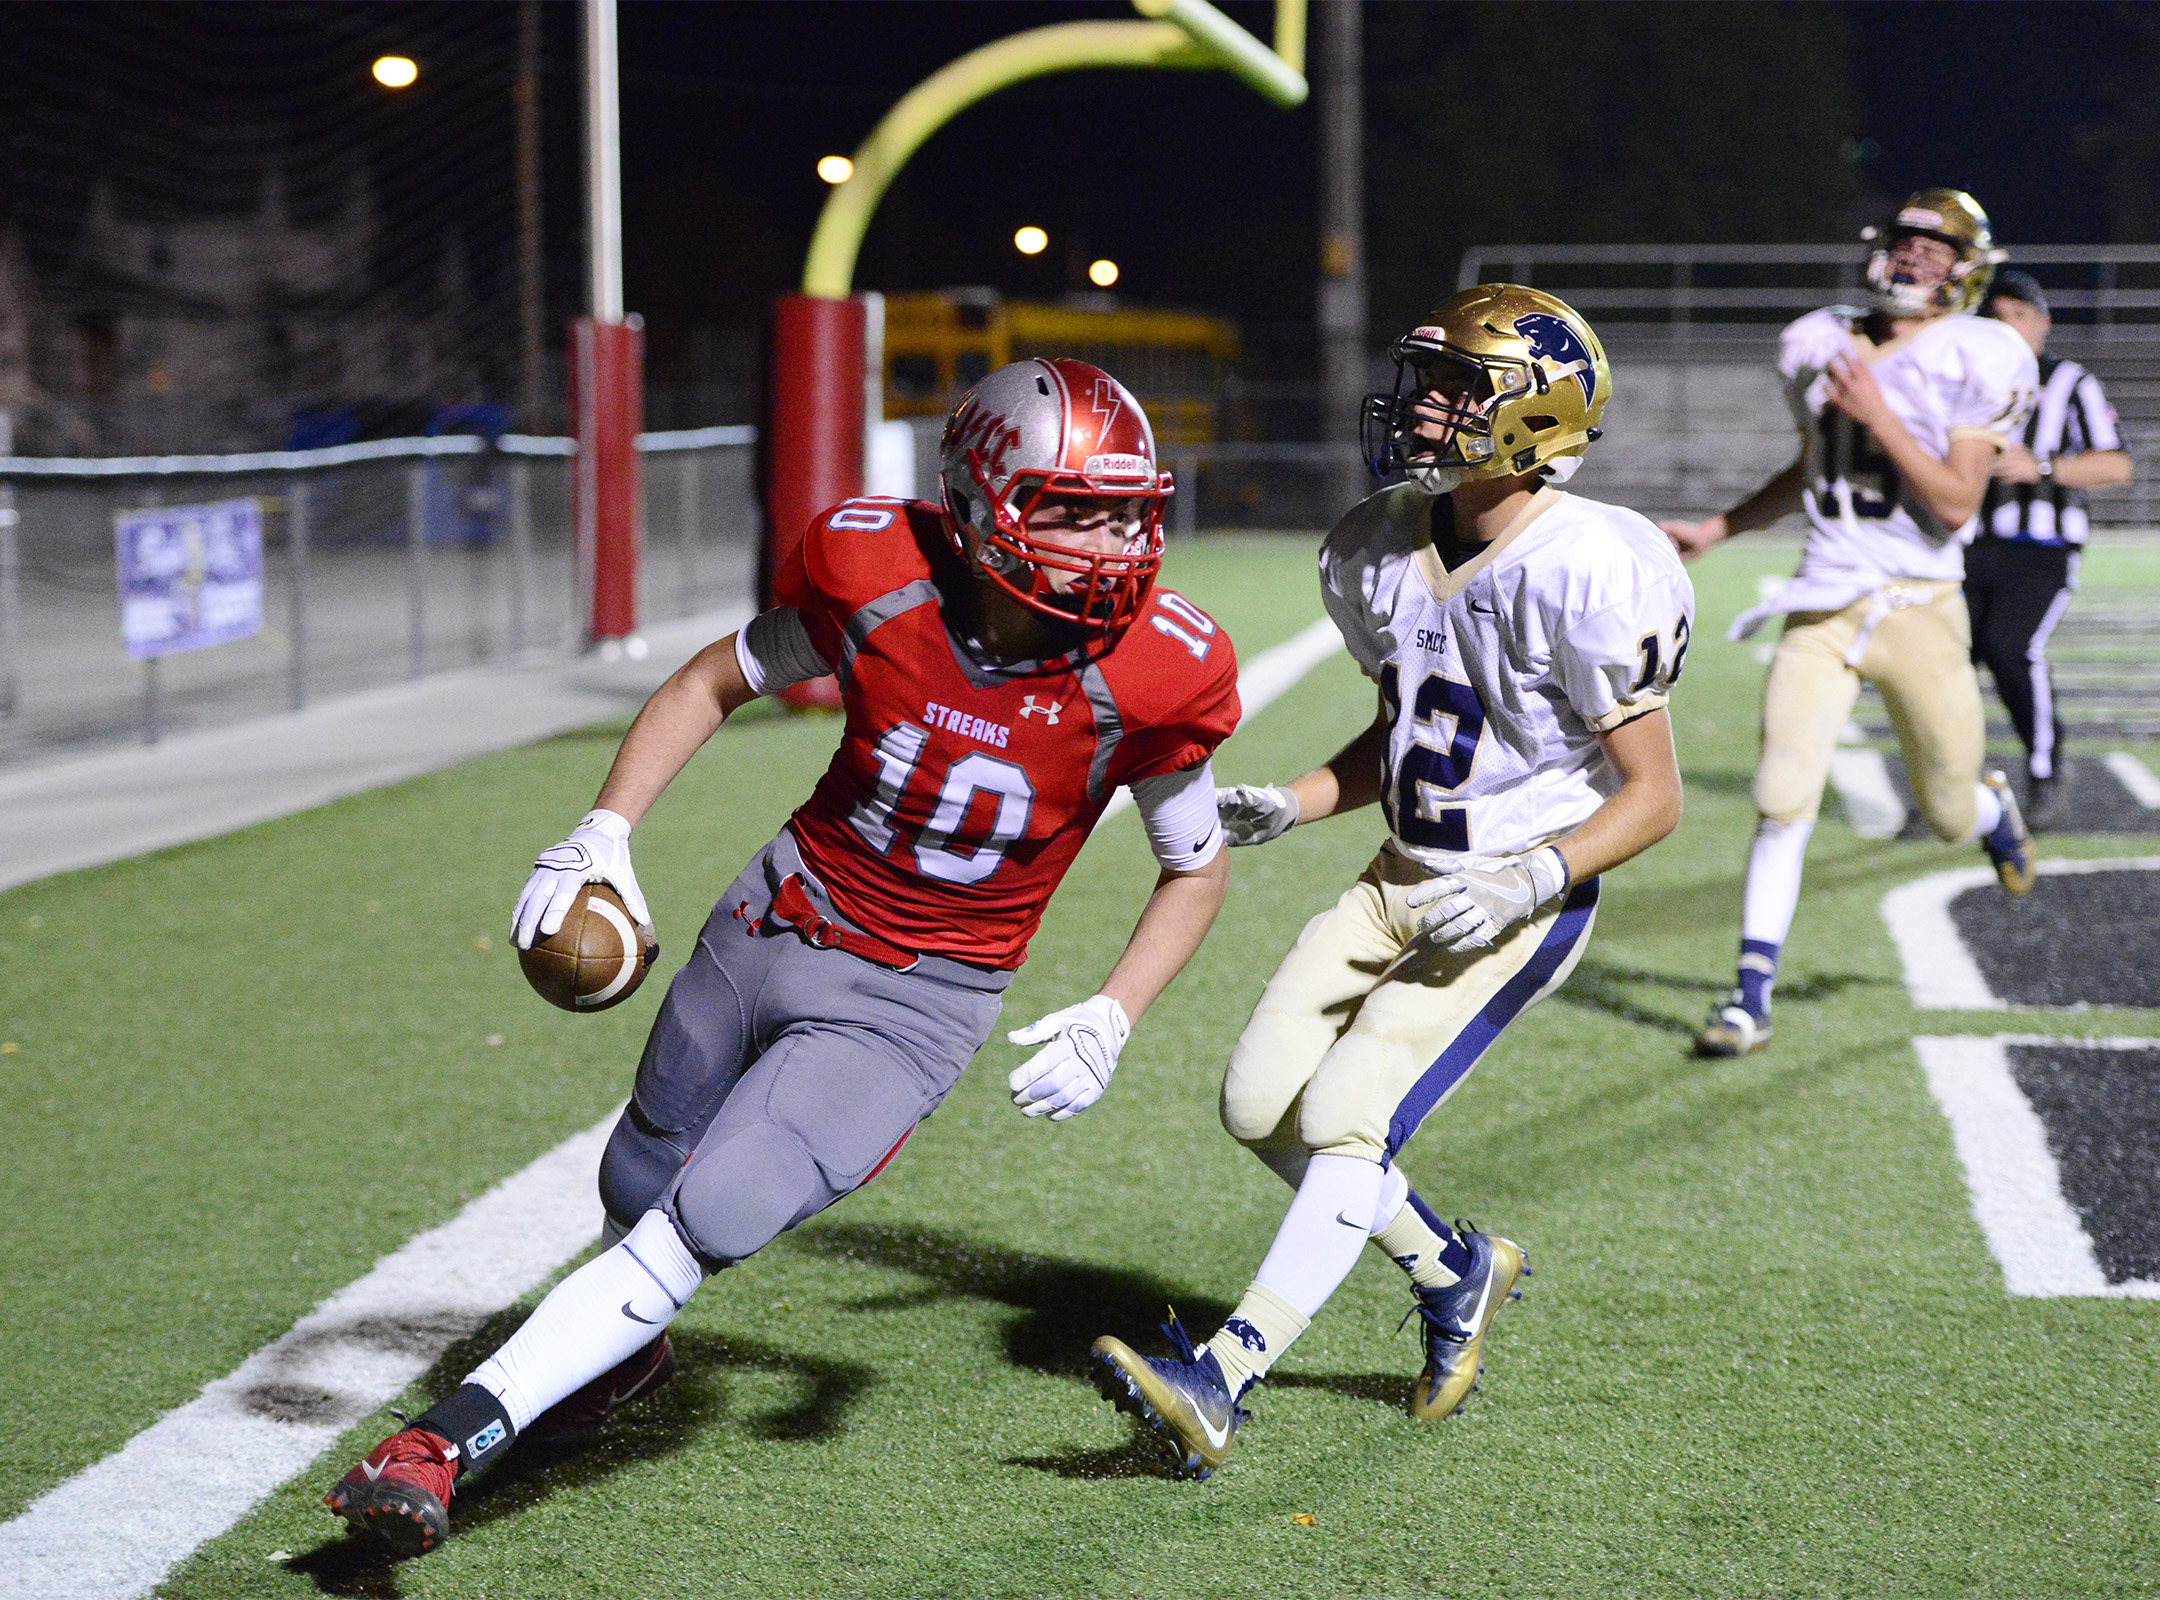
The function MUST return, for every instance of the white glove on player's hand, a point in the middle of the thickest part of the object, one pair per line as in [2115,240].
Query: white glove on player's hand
[1473,905]
[597,851]
[1254,813]
[1080,1051]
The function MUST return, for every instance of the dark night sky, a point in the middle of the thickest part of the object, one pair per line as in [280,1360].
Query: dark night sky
[1203,191]
[1200,189]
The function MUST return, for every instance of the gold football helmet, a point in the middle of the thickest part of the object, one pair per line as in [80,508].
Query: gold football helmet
[1951,217]
[1498,381]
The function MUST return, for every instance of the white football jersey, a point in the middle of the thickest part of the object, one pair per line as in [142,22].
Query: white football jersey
[1953,377]
[1497,677]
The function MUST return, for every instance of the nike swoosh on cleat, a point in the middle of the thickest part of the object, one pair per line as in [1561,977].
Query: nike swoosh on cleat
[1216,1437]
[373,1471]
[650,1322]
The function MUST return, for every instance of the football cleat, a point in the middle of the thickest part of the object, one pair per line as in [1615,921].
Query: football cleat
[1456,1319]
[2046,804]
[401,1492]
[2010,846]
[584,1410]
[1185,1399]
[1732,1030]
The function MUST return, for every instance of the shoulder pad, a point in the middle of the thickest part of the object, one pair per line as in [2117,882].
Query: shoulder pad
[869,546]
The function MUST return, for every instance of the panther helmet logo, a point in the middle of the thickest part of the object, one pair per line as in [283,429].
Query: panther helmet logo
[1551,339]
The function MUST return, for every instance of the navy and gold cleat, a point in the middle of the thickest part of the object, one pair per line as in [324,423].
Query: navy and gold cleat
[2010,846]
[1185,1398]
[1732,1029]
[401,1493]
[1456,1318]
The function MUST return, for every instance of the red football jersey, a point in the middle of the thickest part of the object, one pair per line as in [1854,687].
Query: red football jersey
[959,795]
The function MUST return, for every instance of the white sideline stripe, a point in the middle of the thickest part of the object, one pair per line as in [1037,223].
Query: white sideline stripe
[1863,784]
[2011,1175]
[115,1529]
[2135,776]
[1940,973]
[1262,681]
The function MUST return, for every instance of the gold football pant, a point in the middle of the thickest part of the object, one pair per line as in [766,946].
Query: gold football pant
[1913,641]
[1358,1038]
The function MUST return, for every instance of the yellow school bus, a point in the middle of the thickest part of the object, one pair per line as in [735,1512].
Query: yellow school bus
[938,343]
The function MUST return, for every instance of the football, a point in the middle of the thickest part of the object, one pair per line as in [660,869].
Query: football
[596,959]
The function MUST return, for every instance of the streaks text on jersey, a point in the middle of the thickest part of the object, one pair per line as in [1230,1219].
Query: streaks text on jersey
[991,733]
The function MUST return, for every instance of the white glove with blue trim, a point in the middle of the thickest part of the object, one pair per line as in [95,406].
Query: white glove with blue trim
[1254,813]
[597,851]
[1081,1050]
[1476,903]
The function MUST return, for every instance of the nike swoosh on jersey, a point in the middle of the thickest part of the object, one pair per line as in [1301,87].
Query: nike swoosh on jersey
[650,1322]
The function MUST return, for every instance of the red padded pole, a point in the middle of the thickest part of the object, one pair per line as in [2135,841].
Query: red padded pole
[813,434]
[607,409]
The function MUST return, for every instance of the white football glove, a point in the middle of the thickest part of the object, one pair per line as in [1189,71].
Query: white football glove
[1080,1051]
[1254,813]
[1473,905]
[597,851]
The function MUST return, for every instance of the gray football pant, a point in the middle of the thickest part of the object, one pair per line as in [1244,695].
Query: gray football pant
[779,1077]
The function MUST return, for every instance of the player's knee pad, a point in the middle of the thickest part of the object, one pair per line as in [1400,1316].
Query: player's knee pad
[739,1195]
[1788,788]
[636,1169]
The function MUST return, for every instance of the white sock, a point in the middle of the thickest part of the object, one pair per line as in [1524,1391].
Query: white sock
[603,1313]
[1773,879]
[1394,1195]
[1987,809]
[1315,1248]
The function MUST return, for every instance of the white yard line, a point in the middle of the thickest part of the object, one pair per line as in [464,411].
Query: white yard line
[1863,784]
[2134,776]
[1264,680]
[1940,973]
[2012,1177]
[114,1530]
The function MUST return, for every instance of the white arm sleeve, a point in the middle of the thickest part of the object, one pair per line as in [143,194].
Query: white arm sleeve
[1178,811]
[774,651]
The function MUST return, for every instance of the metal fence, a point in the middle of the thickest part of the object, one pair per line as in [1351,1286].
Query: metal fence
[382,561]
[1697,418]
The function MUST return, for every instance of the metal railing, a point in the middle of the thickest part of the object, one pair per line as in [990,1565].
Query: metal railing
[1697,419]
[383,560]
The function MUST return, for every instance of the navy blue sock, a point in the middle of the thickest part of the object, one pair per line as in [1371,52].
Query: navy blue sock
[1758,972]
[1454,1254]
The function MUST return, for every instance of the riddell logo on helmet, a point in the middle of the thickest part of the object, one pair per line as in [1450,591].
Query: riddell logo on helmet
[1919,217]
[1118,466]
[978,428]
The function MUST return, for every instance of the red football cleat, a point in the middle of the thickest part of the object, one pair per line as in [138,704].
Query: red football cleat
[401,1492]
[584,1410]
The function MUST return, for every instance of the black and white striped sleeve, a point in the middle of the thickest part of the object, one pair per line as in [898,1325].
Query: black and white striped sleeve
[2095,417]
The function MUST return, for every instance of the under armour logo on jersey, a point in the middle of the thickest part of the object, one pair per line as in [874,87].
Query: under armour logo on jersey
[1049,713]
[1247,1335]
[1551,339]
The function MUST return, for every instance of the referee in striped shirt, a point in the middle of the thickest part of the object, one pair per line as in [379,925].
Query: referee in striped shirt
[2022,568]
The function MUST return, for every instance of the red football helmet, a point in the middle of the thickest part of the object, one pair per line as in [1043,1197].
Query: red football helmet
[1038,434]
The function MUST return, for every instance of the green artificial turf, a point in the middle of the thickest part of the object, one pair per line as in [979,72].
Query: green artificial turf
[1765,1350]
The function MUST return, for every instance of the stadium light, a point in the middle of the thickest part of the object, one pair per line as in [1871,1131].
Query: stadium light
[1102,274]
[835,169]
[1029,241]
[395,72]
